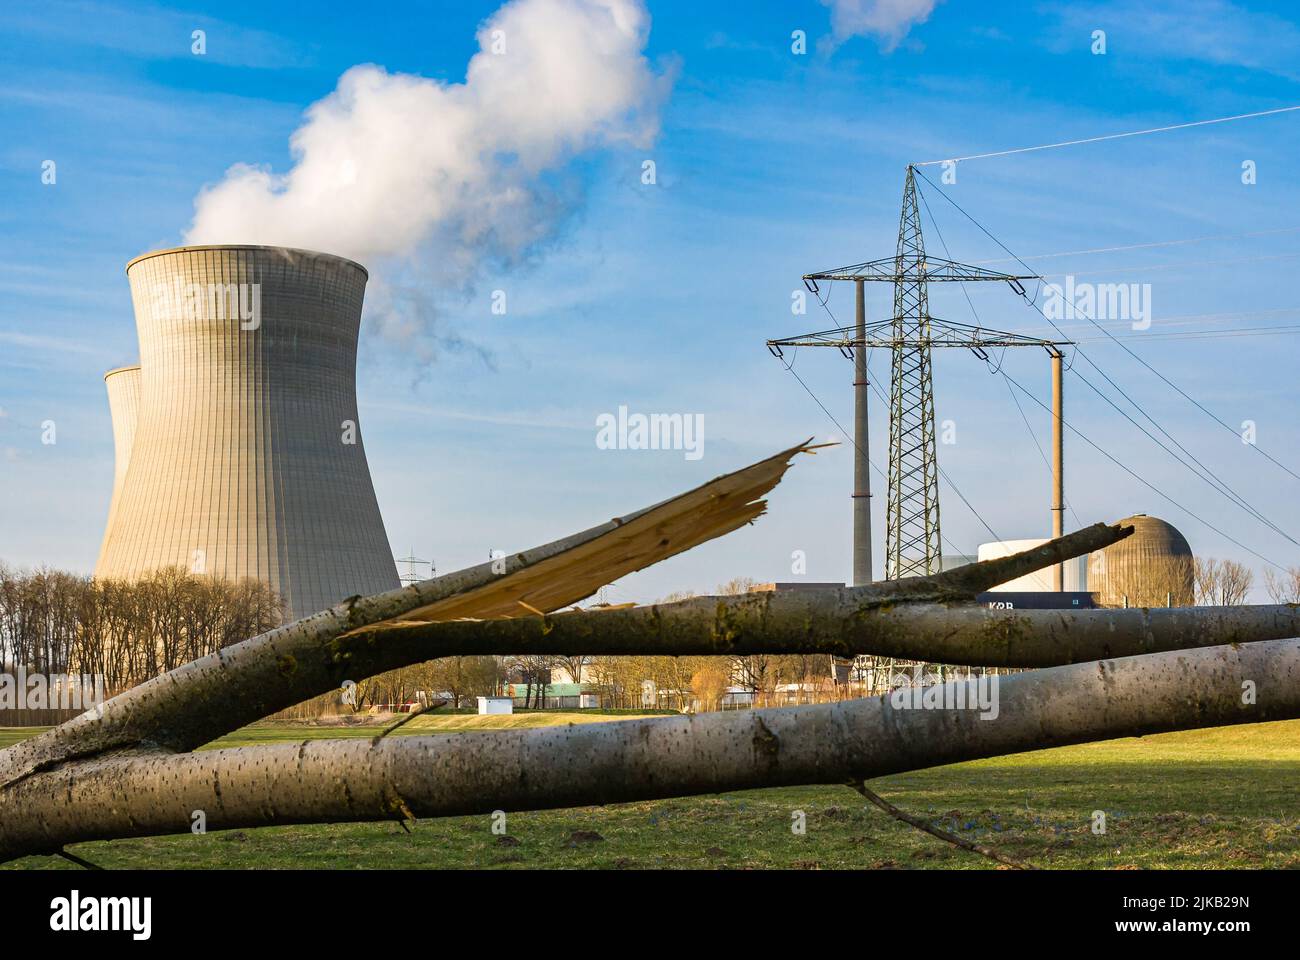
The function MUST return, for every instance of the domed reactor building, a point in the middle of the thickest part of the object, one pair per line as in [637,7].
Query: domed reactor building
[1153,567]
[237,442]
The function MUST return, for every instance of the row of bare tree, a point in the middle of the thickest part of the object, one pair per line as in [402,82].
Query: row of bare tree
[54,622]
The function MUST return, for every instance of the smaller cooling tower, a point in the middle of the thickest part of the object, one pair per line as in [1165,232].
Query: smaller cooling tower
[239,452]
[1153,567]
[123,386]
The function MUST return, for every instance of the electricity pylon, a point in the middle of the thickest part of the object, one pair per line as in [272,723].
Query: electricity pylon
[912,537]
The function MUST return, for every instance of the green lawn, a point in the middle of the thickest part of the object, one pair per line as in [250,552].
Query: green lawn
[1212,798]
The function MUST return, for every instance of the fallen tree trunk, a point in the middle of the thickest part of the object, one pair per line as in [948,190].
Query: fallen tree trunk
[197,703]
[580,765]
[851,622]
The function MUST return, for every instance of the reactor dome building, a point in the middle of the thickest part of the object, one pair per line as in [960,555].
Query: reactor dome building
[237,442]
[1154,567]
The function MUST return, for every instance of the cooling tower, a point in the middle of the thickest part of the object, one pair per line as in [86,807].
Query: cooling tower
[123,386]
[245,458]
[1153,567]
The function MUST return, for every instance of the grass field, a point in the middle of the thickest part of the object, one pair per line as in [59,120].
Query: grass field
[1212,798]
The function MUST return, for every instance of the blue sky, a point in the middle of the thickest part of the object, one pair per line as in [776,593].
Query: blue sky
[480,428]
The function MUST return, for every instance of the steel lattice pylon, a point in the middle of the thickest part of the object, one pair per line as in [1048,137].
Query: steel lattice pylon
[912,540]
[912,543]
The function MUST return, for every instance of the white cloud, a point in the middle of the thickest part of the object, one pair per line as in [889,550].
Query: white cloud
[887,20]
[398,165]
[1210,31]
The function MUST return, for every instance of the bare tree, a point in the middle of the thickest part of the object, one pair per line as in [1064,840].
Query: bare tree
[1222,583]
[1283,587]
[461,677]
[753,672]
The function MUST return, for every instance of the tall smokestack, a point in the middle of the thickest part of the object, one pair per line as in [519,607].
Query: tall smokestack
[246,459]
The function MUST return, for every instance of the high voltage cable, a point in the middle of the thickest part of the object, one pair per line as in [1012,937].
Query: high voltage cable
[1223,334]
[1192,320]
[1178,265]
[975,313]
[1111,337]
[1218,485]
[1142,246]
[1154,489]
[885,401]
[853,440]
[1212,479]
[1204,473]
[1111,136]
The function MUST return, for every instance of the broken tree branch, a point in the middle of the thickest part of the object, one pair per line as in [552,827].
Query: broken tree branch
[615,762]
[934,831]
[852,622]
[214,695]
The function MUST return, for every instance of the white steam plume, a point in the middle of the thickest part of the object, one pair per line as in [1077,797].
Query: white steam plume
[401,166]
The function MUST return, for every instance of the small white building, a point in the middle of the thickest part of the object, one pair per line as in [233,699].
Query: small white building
[1040,581]
[495,705]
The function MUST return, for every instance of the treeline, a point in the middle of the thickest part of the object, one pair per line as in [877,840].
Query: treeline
[658,682]
[54,622]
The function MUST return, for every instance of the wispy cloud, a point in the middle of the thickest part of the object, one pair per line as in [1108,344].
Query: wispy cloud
[150,32]
[1210,31]
[889,21]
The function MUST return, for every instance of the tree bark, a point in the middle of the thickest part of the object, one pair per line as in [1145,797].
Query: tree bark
[127,795]
[845,623]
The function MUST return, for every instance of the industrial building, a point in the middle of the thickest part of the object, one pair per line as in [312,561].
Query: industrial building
[1153,567]
[1075,574]
[238,445]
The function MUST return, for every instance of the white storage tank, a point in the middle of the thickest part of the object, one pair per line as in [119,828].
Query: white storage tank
[1040,581]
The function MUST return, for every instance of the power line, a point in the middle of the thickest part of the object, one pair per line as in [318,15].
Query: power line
[1143,246]
[790,368]
[1176,265]
[1210,477]
[1223,334]
[1112,337]
[947,253]
[1154,489]
[1190,320]
[1111,136]
[1216,484]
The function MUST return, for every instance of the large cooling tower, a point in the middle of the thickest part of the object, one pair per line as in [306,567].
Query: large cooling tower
[245,457]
